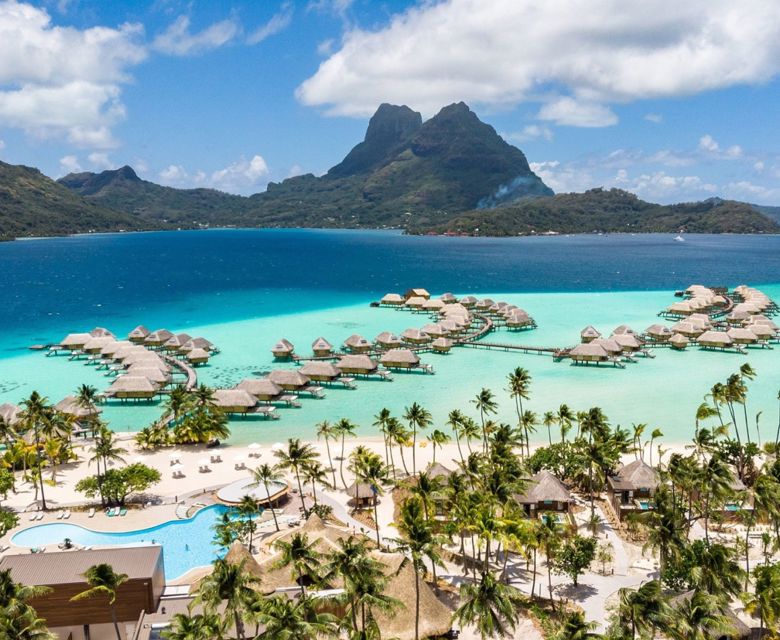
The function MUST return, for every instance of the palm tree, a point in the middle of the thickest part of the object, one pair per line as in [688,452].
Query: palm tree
[301,555]
[177,403]
[18,620]
[429,490]
[202,626]
[87,398]
[548,420]
[418,418]
[698,616]
[230,584]
[549,538]
[248,509]
[564,418]
[489,605]
[455,422]
[437,439]
[765,601]
[103,581]
[265,474]
[397,434]
[486,405]
[657,433]
[380,421]
[644,607]
[36,410]
[371,470]
[528,422]
[328,432]
[295,457]
[314,473]
[344,428]
[575,627]
[286,619]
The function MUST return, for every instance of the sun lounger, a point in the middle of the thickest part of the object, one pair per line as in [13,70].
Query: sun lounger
[91,513]
[122,512]
[40,516]
[66,516]
[34,516]
[60,515]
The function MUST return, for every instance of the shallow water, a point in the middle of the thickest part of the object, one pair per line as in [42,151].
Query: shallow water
[244,289]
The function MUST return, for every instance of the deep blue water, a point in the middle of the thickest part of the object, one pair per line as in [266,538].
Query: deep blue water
[121,279]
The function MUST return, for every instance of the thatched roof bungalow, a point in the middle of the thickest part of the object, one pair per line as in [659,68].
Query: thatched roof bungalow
[158,338]
[588,334]
[9,413]
[288,379]
[153,374]
[96,345]
[357,344]
[108,350]
[361,493]
[198,356]
[261,388]
[442,345]
[715,340]
[762,332]
[321,347]
[415,302]
[433,305]
[628,342]
[678,341]
[176,342]
[623,329]
[588,352]
[484,304]
[740,335]
[659,332]
[415,336]
[70,406]
[417,293]
[438,470]
[75,341]
[545,492]
[138,334]
[450,326]
[197,343]
[133,387]
[320,371]
[283,349]
[448,298]
[392,300]
[468,301]
[434,330]
[400,359]
[357,364]
[388,340]
[632,488]
[234,400]
[688,329]
[101,332]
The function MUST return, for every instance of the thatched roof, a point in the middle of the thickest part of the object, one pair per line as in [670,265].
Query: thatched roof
[96,344]
[283,346]
[415,301]
[433,330]
[659,331]
[589,350]
[635,475]
[360,490]
[679,341]
[485,303]
[75,340]
[387,338]
[449,325]
[139,332]
[111,348]
[101,332]
[622,330]
[401,356]
[178,341]
[687,328]
[356,341]
[433,305]
[197,343]
[447,298]
[438,470]
[226,398]
[610,345]
[762,331]
[320,369]
[288,378]
[456,308]
[198,354]
[542,487]
[628,341]
[159,336]
[442,344]
[124,352]
[392,298]
[418,292]
[590,332]
[152,373]
[260,387]
[468,300]
[9,413]
[359,363]
[416,335]
[132,384]
[146,358]
[739,628]
[715,338]
[742,334]
[70,406]
[321,344]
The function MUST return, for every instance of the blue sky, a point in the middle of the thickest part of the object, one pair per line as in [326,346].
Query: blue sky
[671,102]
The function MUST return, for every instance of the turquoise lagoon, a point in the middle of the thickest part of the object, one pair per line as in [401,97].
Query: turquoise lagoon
[244,289]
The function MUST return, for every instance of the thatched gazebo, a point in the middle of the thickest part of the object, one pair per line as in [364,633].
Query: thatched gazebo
[322,348]
[628,342]
[357,344]
[361,493]
[283,349]
[138,335]
[400,359]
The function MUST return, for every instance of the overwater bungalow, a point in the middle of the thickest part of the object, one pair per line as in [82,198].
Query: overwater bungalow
[433,305]
[688,329]
[148,358]
[545,492]
[685,308]
[198,356]
[448,298]
[610,345]
[392,300]
[415,303]
[450,326]
[484,304]
[289,379]
[283,349]
[154,374]
[261,388]
[234,400]
[740,335]
[468,301]
[415,336]
[400,359]
[158,338]
[659,333]
[441,345]
[588,352]
[198,343]
[138,334]
[322,348]
[762,319]
[762,332]
[715,340]
[111,348]
[75,341]
[588,334]
[320,371]
[357,344]
[71,406]
[622,330]
[176,342]
[360,365]
[628,342]
[132,388]
[434,330]
[125,352]
[9,413]
[95,345]
[417,293]
[456,309]
[388,340]
[101,332]
[678,341]
[632,488]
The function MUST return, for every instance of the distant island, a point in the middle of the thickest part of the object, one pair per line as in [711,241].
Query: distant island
[451,174]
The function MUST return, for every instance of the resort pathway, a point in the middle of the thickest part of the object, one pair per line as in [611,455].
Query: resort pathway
[620,561]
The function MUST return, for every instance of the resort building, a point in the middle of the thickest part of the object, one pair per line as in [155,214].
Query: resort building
[138,335]
[360,365]
[283,349]
[234,400]
[288,379]
[633,487]
[415,303]
[261,388]
[415,336]
[71,406]
[132,388]
[400,359]
[357,344]
[417,293]
[678,341]
[658,333]
[442,345]
[198,356]
[158,338]
[9,414]
[63,572]
[545,492]
[322,348]
[589,334]
[75,341]
[588,352]
[392,300]
[388,340]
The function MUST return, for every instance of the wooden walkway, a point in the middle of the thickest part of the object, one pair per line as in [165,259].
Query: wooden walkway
[187,370]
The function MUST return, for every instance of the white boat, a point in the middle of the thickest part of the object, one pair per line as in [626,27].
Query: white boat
[679,238]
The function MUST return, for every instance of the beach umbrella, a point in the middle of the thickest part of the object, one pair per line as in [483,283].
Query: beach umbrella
[254,448]
[278,446]
[174,457]
[177,467]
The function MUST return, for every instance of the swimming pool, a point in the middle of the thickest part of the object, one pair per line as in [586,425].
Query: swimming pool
[186,543]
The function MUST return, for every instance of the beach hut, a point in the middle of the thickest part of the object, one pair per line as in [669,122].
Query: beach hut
[588,334]
[234,400]
[762,332]
[321,347]
[388,340]
[468,301]
[155,374]
[9,414]
[415,303]
[198,356]
[433,305]
[357,344]
[320,371]
[448,298]
[392,300]
[484,304]
[361,494]
[132,387]
[437,470]
[715,340]
[101,332]
[633,487]
[610,345]
[678,341]
[622,330]
[742,335]
[519,319]
[415,336]
[688,329]
[588,352]
[417,293]
[442,345]
[261,388]
[176,342]
[450,326]
[289,379]
[71,406]
[283,349]
[434,330]
[110,348]
[75,341]
[545,492]
[681,308]
[95,345]
[138,334]
[158,338]
[400,359]
[658,332]
[357,365]
[628,342]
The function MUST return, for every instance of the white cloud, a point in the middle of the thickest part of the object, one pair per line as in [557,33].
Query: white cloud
[712,148]
[708,143]
[101,160]
[243,176]
[748,191]
[70,164]
[174,174]
[2,145]
[177,40]
[759,165]
[279,22]
[531,132]
[295,170]
[575,113]
[63,81]
[655,118]
[505,52]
